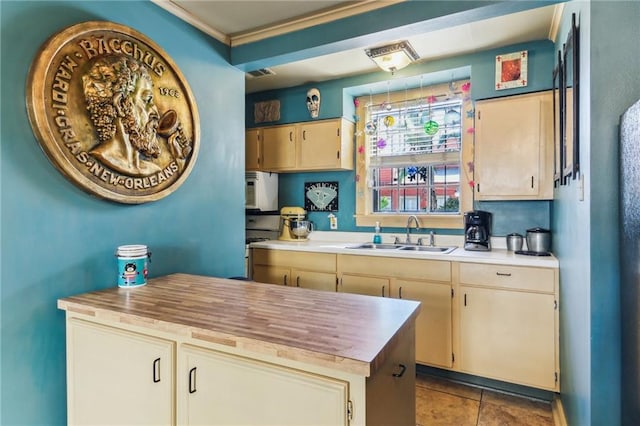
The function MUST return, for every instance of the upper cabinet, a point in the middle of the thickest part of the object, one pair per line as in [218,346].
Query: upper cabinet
[252,138]
[279,148]
[325,145]
[318,145]
[514,148]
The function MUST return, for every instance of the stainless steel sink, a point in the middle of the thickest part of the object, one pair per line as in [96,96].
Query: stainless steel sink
[432,249]
[372,246]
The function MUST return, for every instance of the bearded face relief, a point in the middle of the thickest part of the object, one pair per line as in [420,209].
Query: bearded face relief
[119,96]
[142,125]
[313,102]
[113,113]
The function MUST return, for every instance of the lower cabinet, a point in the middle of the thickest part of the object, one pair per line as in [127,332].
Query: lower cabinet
[362,284]
[489,320]
[272,274]
[426,281]
[434,323]
[295,268]
[117,377]
[224,389]
[312,279]
[509,324]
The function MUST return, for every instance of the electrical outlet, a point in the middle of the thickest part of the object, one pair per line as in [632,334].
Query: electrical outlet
[333,221]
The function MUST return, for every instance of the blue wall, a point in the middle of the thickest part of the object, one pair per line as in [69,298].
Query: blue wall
[337,101]
[587,232]
[571,245]
[58,241]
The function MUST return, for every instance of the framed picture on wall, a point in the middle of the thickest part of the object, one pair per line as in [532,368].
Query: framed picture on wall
[321,196]
[558,121]
[571,76]
[511,70]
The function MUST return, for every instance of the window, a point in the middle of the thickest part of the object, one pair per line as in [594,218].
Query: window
[412,147]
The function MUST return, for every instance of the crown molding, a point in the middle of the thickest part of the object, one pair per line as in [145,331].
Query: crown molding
[555,22]
[189,18]
[295,24]
[318,18]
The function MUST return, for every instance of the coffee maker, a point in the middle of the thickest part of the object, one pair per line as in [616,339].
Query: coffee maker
[477,230]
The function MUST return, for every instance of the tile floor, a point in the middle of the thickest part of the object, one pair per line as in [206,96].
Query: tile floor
[446,403]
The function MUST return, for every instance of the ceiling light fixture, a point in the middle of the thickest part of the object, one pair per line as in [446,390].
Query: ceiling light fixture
[393,57]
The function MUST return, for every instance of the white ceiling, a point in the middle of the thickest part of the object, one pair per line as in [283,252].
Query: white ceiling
[234,21]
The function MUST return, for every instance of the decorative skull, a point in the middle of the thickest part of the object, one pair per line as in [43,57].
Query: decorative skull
[313,102]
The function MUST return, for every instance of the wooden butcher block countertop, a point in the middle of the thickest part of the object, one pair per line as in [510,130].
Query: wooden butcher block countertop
[347,332]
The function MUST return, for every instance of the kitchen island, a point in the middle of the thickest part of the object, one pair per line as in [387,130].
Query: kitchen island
[192,350]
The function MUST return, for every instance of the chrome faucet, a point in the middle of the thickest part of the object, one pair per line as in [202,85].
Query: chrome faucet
[415,219]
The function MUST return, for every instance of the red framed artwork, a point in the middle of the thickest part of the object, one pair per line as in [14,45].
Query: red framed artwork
[511,70]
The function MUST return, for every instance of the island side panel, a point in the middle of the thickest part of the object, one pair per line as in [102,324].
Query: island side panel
[391,390]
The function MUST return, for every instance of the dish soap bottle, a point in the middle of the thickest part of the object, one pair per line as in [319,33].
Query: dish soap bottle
[377,239]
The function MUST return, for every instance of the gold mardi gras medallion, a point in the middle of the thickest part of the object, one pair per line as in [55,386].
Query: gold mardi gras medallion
[113,112]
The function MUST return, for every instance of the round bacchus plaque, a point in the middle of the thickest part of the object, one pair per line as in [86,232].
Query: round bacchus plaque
[113,112]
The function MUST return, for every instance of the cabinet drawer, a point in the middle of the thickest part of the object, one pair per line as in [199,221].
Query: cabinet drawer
[504,276]
[322,262]
[423,269]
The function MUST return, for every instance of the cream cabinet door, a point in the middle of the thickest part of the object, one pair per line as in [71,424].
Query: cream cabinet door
[508,335]
[278,147]
[371,286]
[116,377]
[514,147]
[293,268]
[272,274]
[313,280]
[319,146]
[433,325]
[252,149]
[222,389]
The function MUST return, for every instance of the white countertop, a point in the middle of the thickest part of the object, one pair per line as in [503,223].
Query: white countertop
[339,242]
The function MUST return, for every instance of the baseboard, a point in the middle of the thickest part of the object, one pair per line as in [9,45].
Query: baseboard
[483,382]
[557,410]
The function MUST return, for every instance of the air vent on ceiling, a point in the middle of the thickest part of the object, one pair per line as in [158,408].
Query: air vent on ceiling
[261,72]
